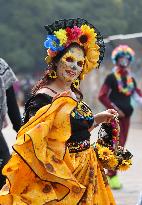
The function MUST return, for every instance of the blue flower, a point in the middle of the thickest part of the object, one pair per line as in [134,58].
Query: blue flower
[53,43]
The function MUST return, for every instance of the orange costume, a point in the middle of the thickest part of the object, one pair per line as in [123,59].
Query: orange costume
[43,171]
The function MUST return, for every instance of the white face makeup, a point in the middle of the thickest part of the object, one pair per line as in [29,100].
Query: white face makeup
[123,62]
[70,65]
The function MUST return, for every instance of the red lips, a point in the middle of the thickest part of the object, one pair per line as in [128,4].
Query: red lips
[71,73]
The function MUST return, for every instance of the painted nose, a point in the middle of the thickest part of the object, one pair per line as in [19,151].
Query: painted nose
[74,67]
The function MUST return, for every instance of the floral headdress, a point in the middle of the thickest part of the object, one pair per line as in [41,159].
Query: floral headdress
[122,50]
[64,32]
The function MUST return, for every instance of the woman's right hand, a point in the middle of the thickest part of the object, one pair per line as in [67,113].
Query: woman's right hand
[106,116]
[63,94]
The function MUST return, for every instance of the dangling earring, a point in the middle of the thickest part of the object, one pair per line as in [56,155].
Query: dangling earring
[53,74]
[76,83]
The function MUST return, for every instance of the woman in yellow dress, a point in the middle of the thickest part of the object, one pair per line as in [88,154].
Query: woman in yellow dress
[52,161]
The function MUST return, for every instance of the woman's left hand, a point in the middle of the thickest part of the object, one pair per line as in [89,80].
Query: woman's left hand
[106,116]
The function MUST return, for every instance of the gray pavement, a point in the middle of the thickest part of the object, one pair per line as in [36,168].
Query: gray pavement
[131,179]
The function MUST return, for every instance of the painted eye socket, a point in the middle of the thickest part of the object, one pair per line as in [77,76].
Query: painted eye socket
[69,59]
[80,63]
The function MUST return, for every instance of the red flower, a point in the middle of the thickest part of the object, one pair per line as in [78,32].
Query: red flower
[69,34]
[73,33]
[115,132]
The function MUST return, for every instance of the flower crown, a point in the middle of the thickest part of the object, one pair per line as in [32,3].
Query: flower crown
[122,50]
[62,33]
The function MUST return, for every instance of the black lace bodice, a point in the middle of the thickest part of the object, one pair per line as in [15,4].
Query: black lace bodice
[81,120]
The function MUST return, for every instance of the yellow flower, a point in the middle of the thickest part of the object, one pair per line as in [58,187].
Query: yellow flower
[62,36]
[91,59]
[88,114]
[93,54]
[88,36]
[113,162]
[73,114]
[79,106]
[125,165]
[76,83]
[105,153]
[98,146]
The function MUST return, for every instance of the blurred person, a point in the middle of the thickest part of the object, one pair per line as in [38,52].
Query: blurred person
[138,98]
[53,161]
[8,104]
[3,111]
[26,86]
[17,89]
[116,93]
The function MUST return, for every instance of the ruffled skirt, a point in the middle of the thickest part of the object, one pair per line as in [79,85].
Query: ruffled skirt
[41,171]
[82,181]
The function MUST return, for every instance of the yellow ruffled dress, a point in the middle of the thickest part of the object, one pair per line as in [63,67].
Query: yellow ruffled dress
[42,171]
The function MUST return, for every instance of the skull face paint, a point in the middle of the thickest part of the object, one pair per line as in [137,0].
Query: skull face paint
[123,62]
[71,64]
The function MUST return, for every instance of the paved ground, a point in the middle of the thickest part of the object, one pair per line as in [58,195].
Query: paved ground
[132,179]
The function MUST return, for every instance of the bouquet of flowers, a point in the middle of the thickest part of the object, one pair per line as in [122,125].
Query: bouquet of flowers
[109,152]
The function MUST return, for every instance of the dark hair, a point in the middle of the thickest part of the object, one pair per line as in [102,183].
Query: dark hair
[46,80]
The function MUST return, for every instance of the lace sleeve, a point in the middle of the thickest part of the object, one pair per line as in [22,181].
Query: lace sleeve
[34,104]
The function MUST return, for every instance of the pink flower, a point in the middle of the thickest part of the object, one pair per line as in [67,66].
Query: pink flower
[76,32]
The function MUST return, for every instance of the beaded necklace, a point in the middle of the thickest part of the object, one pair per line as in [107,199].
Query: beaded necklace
[129,81]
